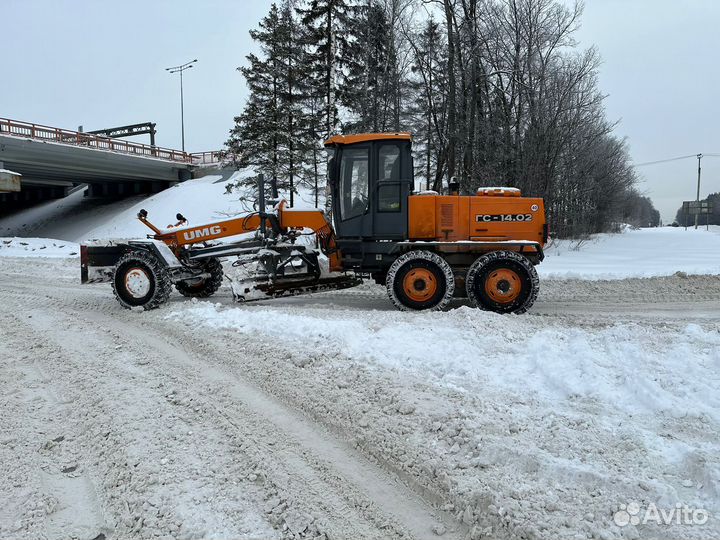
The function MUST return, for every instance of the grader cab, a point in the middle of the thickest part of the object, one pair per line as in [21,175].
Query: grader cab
[425,247]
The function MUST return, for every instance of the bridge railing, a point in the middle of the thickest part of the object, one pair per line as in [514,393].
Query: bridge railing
[77,138]
[207,158]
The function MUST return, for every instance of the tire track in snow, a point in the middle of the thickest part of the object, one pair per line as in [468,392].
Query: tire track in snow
[362,491]
[137,441]
[346,470]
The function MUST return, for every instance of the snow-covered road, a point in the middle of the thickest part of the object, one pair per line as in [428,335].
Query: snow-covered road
[335,415]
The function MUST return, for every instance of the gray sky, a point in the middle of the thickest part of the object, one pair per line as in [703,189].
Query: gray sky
[660,71]
[101,64]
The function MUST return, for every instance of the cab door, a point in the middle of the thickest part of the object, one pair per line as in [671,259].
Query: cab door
[352,200]
[392,179]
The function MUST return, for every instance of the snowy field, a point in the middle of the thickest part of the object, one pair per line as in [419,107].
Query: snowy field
[636,253]
[335,416]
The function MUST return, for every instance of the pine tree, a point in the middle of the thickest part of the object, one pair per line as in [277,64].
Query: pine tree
[363,86]
[270,134]
[330,25]
[257,137]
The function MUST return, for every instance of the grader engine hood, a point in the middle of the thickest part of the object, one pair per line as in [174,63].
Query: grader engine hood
[492,215]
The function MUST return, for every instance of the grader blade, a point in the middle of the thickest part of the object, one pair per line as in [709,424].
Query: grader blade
[252,291]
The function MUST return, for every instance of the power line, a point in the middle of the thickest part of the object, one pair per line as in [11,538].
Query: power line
[674,159]
[666,160]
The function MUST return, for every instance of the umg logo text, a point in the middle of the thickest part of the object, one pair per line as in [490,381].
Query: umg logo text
[202,233]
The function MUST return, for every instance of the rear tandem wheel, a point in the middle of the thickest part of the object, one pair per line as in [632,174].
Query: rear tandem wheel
[502,281]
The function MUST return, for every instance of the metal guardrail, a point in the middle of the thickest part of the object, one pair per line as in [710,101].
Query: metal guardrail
[88,140]
[206,158]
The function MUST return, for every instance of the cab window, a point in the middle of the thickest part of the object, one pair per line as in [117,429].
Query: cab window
[354,182]
[389,171]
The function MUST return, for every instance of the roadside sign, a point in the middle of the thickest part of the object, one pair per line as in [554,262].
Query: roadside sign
[697,207]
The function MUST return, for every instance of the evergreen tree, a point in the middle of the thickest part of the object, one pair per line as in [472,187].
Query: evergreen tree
[270,133]
[364,84]
[330,25]
[257,136]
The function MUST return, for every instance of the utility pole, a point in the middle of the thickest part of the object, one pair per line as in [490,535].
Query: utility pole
[699,157]
[179,69]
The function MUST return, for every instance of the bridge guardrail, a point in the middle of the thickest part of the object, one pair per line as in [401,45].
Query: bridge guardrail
[207,158]
[77,138]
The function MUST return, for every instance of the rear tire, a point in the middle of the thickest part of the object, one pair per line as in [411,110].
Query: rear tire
[203,287]
[141,280]
[503,282]
[420,280]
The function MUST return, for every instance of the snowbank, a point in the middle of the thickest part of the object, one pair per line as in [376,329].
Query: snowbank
[200,200]
[645,386]
[37,247]
[651,252]
[628,367]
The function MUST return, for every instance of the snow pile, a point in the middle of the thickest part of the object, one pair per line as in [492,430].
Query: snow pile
[37,247]
[76,218]
[598,411]
[650,252]
[629,367]
[200,200]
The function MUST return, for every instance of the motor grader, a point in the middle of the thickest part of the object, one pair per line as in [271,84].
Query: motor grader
[424,247]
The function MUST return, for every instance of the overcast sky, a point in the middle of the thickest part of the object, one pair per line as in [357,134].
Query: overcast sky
[102,64]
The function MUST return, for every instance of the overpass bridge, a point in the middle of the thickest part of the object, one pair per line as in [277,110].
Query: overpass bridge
[53,161]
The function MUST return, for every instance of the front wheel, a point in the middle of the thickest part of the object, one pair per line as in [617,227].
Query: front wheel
[140,280]
[502,281]
[420,280]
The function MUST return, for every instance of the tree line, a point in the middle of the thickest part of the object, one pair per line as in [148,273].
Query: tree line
[494,92]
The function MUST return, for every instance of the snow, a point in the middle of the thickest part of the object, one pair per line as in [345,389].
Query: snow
[8,171]
[500,189]
[583,404]
[77,219]
[37,247]
[602,406]
[660,251]
[474,351]
[201,200]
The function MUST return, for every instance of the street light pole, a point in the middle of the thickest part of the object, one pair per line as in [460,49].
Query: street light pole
[179,69]
[699,157]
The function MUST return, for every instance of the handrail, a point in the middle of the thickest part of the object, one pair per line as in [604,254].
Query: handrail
[89,140]
[209,157]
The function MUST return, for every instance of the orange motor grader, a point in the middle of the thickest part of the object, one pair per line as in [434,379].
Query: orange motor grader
[425,247]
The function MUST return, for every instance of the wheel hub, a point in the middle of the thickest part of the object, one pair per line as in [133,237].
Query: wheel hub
[420,284]
[503,285]
[137,282]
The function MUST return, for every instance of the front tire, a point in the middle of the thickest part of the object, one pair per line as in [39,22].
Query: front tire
[203,287]
[141,280]
[503,282]
[420,280]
